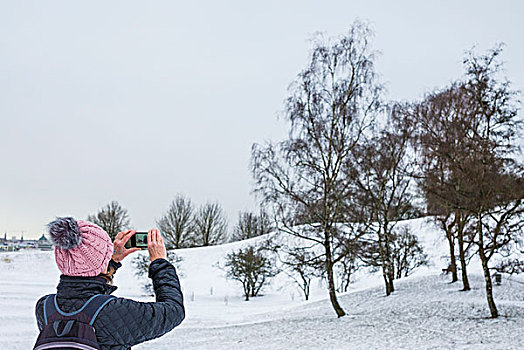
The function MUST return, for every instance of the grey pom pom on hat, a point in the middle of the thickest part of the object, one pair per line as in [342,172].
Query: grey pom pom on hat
[65,233]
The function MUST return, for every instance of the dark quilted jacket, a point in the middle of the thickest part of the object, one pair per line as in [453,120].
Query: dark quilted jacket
[123,323]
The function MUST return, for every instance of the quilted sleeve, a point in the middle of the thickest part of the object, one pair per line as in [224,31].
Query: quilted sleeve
[39,312]
[127,322]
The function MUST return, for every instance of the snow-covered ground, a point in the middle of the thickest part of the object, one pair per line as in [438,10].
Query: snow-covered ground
[425,312]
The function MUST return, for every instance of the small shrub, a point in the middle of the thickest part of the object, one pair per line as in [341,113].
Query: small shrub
[252,268]
[510,266]
[407,252]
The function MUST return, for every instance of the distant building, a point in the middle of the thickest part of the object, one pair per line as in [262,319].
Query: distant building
[44,244]
[29,244]
[9,246]
[15,244]
[4,247]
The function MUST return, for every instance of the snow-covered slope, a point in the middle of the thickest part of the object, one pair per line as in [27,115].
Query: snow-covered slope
[426,312]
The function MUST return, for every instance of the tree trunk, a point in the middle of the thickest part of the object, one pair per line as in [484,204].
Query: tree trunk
[453,262]
[246,290]
[487,275]
[306,292]
[331,282]
[391,279]
[305,285]
[346,283]
[462,256]
[384,262]
[390,266]
[489,286]
[386,283]
[388,275]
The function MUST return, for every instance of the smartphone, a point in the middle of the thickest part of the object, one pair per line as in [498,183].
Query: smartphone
[138,240]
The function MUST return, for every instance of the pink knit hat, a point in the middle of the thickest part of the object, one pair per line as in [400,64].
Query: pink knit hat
[81,247]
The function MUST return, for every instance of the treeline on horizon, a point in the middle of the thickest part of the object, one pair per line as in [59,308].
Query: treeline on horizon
[184,225]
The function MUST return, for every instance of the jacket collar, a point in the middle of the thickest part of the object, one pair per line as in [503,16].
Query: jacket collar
[82,287]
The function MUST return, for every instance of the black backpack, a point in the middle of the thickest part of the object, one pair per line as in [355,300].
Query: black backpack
[70,330]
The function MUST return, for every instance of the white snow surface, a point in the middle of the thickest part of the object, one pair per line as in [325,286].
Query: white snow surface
[425,311]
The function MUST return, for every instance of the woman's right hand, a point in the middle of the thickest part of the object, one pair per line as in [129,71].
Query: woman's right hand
[155,245]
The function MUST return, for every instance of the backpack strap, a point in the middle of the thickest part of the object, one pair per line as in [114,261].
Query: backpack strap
[91,308]
[95,305]
[49,307]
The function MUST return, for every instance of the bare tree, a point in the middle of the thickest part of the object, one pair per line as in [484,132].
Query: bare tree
[499,220]
[210,225]
[113,218]
[302,266]
[482,181]
[345,270]
[332,104]
[251,225]
[176,224]
[406,251]
[443,123]
[383,169]
[495,187]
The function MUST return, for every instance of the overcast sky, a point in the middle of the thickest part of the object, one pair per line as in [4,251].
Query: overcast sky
[137,101]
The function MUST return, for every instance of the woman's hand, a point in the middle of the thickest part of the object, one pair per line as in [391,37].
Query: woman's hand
[118,245]
[155,245]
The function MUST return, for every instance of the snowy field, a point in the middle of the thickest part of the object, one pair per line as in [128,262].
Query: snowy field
[425,312]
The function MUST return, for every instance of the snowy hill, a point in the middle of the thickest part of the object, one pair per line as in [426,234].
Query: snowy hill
[425,312]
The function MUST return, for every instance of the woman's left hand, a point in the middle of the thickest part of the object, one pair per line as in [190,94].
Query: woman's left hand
[120,240]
